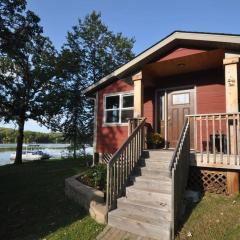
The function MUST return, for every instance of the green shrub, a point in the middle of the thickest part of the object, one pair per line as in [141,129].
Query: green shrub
[155,138]
[95,177]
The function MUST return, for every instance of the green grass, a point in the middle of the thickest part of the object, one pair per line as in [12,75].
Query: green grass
[216,217]
[33,204]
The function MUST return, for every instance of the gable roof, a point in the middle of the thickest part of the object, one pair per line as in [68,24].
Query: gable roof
[183,38]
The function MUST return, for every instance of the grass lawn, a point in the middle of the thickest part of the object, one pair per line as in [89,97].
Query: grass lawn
[216,217]
[33,204]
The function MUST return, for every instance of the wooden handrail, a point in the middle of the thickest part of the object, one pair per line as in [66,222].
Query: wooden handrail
[216,138]
[173,160]
[122,163]
[118,152]
[211,114]
[179,172]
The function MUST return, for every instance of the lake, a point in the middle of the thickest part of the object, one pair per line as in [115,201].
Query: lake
[55,150]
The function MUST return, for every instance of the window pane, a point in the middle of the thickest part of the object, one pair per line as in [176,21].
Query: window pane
[181,98]
[112,116]
[112,102]
[126,114]
[128,101]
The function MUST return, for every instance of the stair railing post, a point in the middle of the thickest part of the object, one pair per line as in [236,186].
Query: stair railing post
[107,198]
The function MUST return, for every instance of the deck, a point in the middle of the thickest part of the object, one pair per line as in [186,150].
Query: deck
[221,161]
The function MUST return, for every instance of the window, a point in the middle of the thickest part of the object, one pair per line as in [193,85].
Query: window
[182,98]
[118,108]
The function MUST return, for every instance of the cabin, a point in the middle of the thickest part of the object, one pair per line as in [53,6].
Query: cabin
[185,88]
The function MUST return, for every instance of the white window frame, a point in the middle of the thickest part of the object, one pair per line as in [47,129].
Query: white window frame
[181,103]
[121,95]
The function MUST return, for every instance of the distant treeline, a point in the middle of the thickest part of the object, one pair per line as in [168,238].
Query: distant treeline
[9,135]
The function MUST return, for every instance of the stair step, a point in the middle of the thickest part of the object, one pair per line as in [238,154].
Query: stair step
[160,179]
[157,212]
[153,184]
[145,178]
[140,217]
[147,191]
[158,160]
[160,156]
[157,154]
[158,165]
[154,176]
[144,195]
[155,205]
[146,171]
[140,225]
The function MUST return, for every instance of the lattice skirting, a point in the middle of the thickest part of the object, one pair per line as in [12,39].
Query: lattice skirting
[204,179]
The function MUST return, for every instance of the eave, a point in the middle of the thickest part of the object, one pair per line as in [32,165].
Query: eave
[229,42]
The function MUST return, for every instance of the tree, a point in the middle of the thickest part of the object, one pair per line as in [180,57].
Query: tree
[72,70]
[104,50]
[27,68]
[91,52]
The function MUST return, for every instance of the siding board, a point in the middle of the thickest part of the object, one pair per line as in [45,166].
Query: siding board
[110,138]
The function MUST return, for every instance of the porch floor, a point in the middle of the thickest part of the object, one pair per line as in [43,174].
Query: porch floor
[223,161]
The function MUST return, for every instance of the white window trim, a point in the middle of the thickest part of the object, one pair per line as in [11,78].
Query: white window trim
[181,103]
[120,94]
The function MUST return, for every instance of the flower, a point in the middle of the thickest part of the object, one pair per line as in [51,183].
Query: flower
[155,138]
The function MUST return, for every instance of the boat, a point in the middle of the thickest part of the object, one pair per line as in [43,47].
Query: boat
[32,152]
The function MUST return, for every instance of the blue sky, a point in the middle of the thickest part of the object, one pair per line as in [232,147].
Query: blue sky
[147,21]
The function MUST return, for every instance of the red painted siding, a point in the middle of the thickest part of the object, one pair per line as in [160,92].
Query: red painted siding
[210,91]
[211,98]
[180,52]
[110,138]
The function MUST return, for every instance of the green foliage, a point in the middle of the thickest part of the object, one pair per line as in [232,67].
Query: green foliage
[38,83]
[8,135]
[104,50]
[214,217]
[155,138]
[28,85]
[90,52]
[95,177]
[33,204]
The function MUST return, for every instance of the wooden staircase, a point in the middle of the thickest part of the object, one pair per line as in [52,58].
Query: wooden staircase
[146,208]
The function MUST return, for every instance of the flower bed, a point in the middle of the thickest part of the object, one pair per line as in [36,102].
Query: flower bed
[95,177]
[88,190]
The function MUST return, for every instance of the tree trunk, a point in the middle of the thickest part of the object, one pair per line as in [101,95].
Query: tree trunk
[74,152]
[20,136]
[75,147]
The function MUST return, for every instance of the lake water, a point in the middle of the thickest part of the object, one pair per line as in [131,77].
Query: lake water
[55,150]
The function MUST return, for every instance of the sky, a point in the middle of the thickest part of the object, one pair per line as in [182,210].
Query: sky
[147,21]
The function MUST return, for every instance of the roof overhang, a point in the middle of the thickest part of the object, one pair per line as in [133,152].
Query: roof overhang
[228,42]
